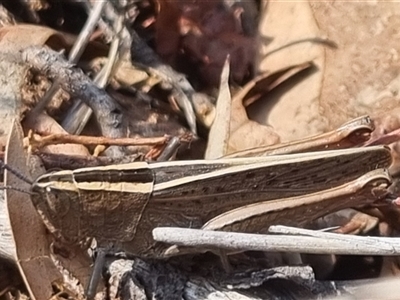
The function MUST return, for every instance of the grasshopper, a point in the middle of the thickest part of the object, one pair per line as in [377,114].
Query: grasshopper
[121,204]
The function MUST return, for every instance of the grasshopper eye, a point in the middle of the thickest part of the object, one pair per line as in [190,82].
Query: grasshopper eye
[55,205]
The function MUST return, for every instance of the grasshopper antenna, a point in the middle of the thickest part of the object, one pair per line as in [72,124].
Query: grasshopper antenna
[4,166]
[15,172]
[7,187]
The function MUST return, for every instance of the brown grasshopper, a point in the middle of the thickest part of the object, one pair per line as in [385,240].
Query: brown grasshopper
[121,204]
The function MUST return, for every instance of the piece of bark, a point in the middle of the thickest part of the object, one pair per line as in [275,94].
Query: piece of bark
[54,65]
[12,70]
[161,280]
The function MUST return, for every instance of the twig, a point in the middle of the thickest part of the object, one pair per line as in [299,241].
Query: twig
[341,244]
[288,230]
[74,55]
[170,149]
[78,116]
[141,278]
[37,141]
[180,87]
[96,274]
[108,32]
[87,30]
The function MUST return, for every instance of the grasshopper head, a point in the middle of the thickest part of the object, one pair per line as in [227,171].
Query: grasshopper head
[55,206]
[101,203]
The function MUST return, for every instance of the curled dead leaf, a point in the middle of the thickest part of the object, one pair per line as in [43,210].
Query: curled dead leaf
[32,250]
[246,133]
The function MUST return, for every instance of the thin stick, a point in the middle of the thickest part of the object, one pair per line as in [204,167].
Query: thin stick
[87,30]
[37,141]
[180,87]
[74,55]
[287,230]
[79,115]
[277,243]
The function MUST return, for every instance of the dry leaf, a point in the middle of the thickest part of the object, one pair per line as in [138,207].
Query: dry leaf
[33,250]
[288,35]
[32,246]
[358,77]
[218,138]
[273,80]
[246,133]
[343,90]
